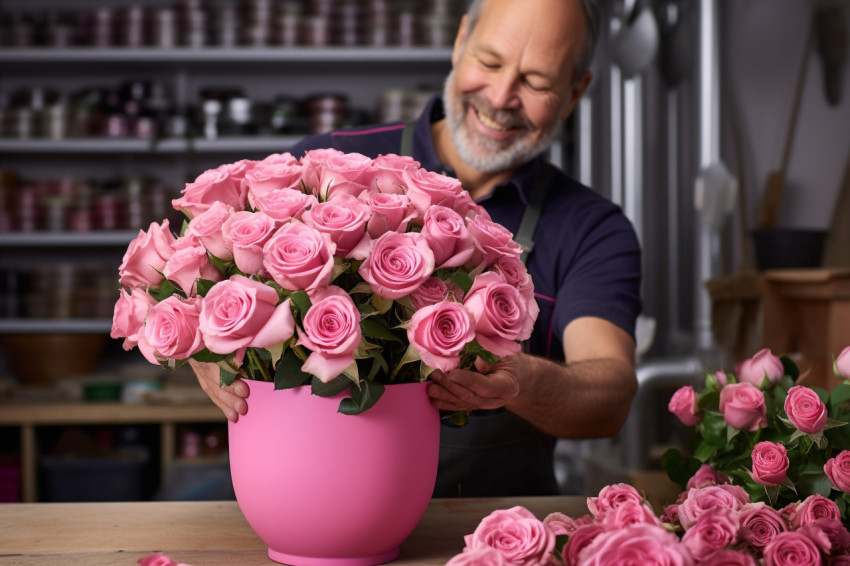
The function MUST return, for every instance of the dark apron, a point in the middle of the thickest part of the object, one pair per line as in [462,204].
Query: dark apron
[497,453]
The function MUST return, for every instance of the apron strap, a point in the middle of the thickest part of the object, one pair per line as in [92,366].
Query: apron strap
[528,225]
[406,148]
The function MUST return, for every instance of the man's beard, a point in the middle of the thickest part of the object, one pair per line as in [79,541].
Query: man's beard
[485,154]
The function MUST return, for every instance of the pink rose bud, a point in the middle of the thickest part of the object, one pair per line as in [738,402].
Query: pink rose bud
[344,219]
[331,332]
[842,363]
[492,242]
[344,174]
[275,172]
[683,404]
[791,548]
[246,233]
[171,330]
[446,233]
[189,264]
[742,405]
[434,290]
[128,319]
[439,332]
[763,365]
[560,524]
[285,204]
[805,409]
[612,496]
[222,184]
[516,533]
[387,173]
[706,475]
[206,226]
[398,264]
[837,469]
[501,314]
[770,463]
[426,189]
[240,313]
[146,255]
[391,212]
[722,378]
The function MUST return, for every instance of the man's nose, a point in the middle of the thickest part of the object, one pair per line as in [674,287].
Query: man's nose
[503,93]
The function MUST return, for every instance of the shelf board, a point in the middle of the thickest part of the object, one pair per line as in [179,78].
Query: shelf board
[55,325]
[271,144]
[295,55]
[67,239]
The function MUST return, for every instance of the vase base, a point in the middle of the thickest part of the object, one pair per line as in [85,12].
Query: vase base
[295,560]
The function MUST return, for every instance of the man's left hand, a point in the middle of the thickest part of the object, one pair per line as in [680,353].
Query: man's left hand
[491,387]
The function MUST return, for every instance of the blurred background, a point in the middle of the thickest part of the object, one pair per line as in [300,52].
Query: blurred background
[720,127]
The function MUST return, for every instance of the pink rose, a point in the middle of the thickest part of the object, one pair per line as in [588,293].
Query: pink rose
[279,171]
[171,330]
[764,365]
[699,500]
[645,544]
[484,556]
[434,290]
[189,264]
[285,204]
[683,404]
[146,255]
[343,219]
[706,475]
[842,363]
[206,227]
[312,164]
[791,548]
[627,513]
[331,332]
[715,529]
[492,241]
[670,514]
[760,523]
[448,237]
[729,557]
[742,405]
[427,189]
[439,332]
[390,213]
[222,184]
[815,507]
[837,469]
[770,463]
[156,560]
[521,538]
[128,318]
[501,314]
[344,174]
[299,257]
[398,264]
[246,233]
[834,536]
[841,560]
[560,524]
[387,173]
[722,378]
[578,541]
[805,409]
[612,496]
[516,275]
[243,313]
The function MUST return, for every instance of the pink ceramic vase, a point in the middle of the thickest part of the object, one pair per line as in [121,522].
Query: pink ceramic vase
[323,488]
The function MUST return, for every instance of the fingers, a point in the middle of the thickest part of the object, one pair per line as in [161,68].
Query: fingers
[458,391]
[229,398]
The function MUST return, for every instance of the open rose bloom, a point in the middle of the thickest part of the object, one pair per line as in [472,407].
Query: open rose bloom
[783,443]
[331,269]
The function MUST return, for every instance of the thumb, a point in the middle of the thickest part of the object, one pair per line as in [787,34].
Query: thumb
[482,365]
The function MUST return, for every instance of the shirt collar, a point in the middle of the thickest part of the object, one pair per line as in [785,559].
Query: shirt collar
[425,153]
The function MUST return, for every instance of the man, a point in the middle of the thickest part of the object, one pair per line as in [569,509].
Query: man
[519,68]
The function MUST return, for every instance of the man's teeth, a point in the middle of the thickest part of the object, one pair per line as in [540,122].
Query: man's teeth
[490,123]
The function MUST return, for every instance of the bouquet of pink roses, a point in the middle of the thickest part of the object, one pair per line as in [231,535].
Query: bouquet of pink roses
[712,523]
[759,429]
[335,270]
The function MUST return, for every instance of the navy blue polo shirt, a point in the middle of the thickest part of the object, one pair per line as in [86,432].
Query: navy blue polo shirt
[586,259]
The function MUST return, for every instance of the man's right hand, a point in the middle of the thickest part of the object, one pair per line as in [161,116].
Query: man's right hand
[229,398]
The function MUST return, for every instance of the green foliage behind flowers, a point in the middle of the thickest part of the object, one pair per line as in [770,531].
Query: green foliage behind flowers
[780,441]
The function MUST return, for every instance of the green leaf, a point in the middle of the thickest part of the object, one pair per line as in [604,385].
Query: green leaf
[379,364]
[374,327]
[462,280]
[301,301]
[224,266]
[165,290]
[790,368]
[812,483]
[362,398]
[475,349]
[289,373]
[331,388]
[204,286]
[225,377]
[207,356]
[679,469]
[381,304]
[840,394]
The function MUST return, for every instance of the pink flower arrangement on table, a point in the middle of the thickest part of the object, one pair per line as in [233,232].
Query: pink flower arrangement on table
[713,522]
[335,270]
[780,441]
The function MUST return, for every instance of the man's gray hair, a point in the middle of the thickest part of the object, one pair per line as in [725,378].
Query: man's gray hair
[593,19]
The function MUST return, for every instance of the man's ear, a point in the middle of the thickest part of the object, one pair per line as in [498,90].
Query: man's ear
[460,39]
[576,92]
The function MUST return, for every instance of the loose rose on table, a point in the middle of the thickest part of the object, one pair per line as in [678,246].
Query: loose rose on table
[333,270]
[780,441]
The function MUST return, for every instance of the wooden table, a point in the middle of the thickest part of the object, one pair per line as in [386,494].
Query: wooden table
[213,533]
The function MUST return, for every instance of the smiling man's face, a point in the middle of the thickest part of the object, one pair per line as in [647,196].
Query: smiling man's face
[510,85]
